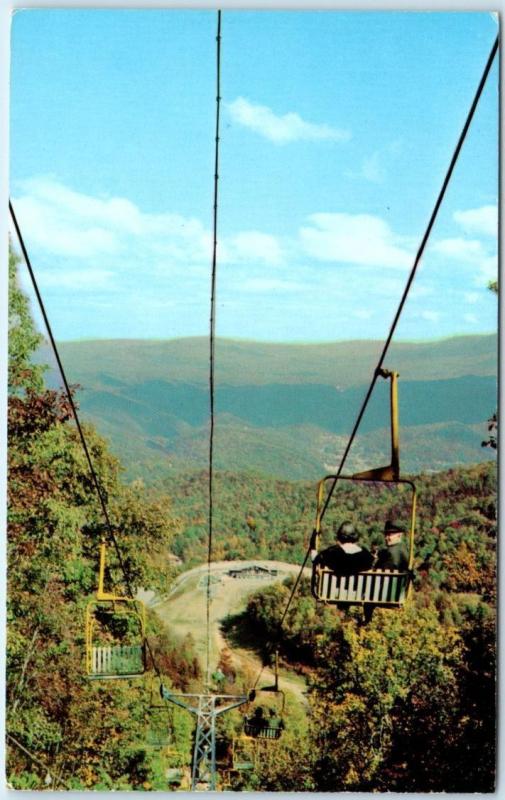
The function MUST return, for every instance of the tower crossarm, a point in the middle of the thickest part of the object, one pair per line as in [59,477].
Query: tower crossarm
[206,707]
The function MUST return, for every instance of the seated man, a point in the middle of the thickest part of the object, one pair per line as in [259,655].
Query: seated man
[394,555]
[258,719]
[275,721]
[346,557]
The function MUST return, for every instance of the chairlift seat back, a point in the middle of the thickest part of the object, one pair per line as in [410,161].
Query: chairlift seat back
[262,731]
[382,587]
[117,661]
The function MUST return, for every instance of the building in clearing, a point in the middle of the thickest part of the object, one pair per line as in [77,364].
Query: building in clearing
[253,571]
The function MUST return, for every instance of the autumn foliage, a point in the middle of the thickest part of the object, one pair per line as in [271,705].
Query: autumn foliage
[405,702]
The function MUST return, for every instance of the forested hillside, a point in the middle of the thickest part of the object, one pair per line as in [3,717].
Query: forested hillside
[273,519]
[405,702]
[64,731]
[282,410]
[343,364]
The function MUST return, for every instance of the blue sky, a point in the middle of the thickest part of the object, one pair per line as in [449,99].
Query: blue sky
[337,130]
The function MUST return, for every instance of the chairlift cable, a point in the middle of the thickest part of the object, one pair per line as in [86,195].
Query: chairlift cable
[68,392]
[401,305]
[415,265]
[212,336]
[37,760]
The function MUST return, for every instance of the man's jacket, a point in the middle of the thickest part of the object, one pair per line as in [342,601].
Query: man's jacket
[394,557]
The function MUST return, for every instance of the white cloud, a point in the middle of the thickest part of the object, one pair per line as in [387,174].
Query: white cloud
[62,222]
[482,220]
[371,170]
[354,239]
[430,316]
[57,233]
[271,285]
[471,318]
[375,168]
[417,292]
[336,265]
[86,279]
[252,246]
[472,252]
[281,129]
[116,212]
[466,249]
[488,270]
[71,225]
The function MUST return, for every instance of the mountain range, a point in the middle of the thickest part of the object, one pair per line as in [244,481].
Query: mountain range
[284,410]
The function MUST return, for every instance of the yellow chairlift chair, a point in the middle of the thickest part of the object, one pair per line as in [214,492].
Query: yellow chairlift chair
[270,725]
[115,633]
[387,588]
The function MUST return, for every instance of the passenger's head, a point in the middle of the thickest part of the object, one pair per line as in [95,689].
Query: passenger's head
[393,533]
[346,533]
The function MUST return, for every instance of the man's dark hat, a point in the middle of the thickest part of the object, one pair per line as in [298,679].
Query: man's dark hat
[347,533]
[393,527]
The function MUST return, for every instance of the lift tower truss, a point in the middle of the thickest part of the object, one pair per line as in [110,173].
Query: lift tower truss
[206,708]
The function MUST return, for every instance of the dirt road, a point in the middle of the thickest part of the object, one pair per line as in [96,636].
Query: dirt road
[184,609]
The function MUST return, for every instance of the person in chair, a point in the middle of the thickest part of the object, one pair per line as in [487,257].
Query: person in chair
[346,557]
[394,555]
[257,721]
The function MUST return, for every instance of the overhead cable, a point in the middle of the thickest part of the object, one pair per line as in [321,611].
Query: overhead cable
[96,483]
[403,299]
[212,337]
[50,778]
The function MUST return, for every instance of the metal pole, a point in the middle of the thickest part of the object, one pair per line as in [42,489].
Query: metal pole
[206,707]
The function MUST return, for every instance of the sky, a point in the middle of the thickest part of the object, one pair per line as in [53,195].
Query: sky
[337,129]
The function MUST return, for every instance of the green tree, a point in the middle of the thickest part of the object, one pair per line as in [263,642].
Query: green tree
[89,733]
[379,681]
[23,339]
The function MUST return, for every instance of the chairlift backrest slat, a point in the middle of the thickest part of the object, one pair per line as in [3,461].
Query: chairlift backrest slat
[388,587]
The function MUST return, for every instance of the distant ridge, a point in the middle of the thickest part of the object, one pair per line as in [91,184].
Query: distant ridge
[342,364]
[282,410]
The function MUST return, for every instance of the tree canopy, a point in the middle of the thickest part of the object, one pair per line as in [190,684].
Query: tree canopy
[403,703]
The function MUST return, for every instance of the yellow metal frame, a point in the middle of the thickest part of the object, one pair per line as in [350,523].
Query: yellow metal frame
[389,474]
[280,701]
[251,745]
[165,743]
[109,601]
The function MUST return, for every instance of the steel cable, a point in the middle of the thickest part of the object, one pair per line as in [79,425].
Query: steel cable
[68,392]
[57,781]
[212,336]
[399,310]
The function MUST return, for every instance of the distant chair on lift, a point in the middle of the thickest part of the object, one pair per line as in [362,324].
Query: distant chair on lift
[271,725]
[159,723]
[115,633]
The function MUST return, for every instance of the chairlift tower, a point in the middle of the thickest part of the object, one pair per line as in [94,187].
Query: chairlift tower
[206,707]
